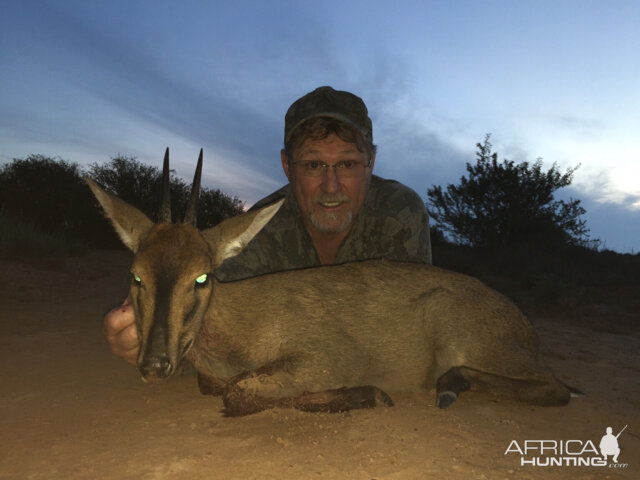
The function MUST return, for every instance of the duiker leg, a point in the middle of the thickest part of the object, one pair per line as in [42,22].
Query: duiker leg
[210,385]
[239,402]
[539,389]
[450,384]
[256,391]
[343,399]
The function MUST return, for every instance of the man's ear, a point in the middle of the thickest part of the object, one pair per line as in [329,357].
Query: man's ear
[230,237]
[285,163]
[373,161]
[130,224]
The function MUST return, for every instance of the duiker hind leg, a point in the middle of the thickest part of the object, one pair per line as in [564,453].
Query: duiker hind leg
[539,389]
[449,385]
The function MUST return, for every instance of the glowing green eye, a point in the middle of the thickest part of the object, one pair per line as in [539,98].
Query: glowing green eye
[136,279]
[202,279]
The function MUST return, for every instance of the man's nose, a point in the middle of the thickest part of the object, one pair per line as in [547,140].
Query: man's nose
[330,180]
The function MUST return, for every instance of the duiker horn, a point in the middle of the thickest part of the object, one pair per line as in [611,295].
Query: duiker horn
[164,215]
[191,215]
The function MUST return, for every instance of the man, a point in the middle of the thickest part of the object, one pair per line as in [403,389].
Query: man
[609,445]
[335,209]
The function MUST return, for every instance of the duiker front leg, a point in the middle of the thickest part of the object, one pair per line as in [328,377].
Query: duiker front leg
[267,388]
[343,399]
[210,385]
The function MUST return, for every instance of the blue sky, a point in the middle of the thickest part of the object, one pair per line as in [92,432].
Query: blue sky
[87,80]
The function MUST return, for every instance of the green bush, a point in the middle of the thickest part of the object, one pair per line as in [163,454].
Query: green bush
[50,198]
[502,204]
[53,196]
[141,186]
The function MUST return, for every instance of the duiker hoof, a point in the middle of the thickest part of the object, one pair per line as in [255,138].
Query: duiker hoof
[445,399]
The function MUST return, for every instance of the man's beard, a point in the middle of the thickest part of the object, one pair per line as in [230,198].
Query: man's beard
[330,226]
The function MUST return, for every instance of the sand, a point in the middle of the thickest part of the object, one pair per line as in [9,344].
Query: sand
[69,409]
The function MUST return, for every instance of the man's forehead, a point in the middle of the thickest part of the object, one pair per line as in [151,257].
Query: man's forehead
[320,151]
[328,145]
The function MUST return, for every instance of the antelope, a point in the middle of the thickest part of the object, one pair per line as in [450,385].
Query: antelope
[328,338]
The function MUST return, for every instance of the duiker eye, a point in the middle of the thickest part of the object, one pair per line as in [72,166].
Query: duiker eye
[202,280]
[136,279]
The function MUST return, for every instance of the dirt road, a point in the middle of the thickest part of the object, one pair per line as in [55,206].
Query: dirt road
[70,410]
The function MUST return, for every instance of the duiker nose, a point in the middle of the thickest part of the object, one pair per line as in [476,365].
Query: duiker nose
[156,367]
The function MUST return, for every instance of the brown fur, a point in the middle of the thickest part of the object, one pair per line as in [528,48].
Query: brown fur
[321,339]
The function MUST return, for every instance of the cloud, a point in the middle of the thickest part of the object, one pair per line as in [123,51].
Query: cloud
[242,130]
[615,225]
[104,89]
[580,126]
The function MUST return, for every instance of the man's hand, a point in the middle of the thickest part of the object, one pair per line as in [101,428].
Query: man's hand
[119,330]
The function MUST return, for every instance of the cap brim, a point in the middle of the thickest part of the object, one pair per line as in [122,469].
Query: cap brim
[335,115]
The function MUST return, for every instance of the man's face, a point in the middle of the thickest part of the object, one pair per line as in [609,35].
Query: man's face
[329,202]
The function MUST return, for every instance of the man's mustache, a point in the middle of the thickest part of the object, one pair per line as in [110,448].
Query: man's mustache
[331,198]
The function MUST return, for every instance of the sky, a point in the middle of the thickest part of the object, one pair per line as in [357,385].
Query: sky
[86,80]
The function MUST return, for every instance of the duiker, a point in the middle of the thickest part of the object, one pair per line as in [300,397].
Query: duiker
[329,338]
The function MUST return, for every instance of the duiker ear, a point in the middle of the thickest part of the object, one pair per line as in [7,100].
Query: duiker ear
[230,237]
[129,222]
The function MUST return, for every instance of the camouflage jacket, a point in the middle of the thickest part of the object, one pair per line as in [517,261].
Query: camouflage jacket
[392,224]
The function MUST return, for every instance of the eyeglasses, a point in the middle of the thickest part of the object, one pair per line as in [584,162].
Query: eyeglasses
[343,169]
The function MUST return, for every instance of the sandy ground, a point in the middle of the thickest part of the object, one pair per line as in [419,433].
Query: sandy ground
[69,409]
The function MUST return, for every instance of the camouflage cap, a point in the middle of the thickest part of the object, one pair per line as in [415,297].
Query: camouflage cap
[327,102]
